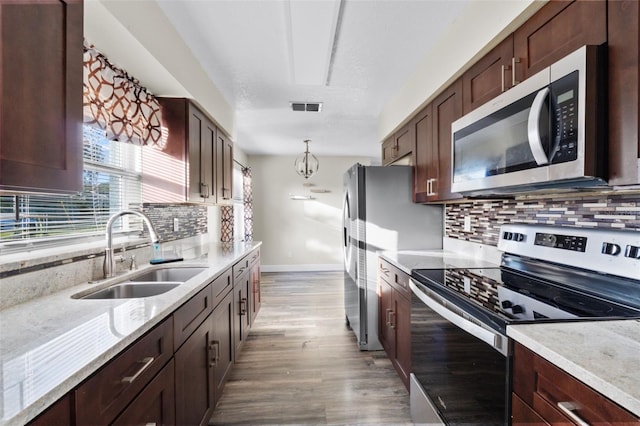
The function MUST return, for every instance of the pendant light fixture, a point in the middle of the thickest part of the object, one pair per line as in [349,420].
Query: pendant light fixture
[306,164]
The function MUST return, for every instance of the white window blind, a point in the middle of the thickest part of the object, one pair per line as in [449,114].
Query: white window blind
[112,182]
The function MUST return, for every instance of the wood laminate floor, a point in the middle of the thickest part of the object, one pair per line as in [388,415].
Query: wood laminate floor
[301,365]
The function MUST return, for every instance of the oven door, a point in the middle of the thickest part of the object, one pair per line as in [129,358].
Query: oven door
[460,368]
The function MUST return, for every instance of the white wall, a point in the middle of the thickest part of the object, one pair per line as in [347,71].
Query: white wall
[480,27]
[298,235]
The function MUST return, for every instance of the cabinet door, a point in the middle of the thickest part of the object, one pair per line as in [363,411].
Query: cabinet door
[103,396]
[488,77]
[188,317]
[402,327]
[224,169]
[41,96]
[388,151]
[256,297]
[155,405]
[194,383]
[201,156]
[59,414]
[223,341]
[447,108]
[624,95]
[426,156]
[385,306]
[241,320]
[556,30]
[405,140]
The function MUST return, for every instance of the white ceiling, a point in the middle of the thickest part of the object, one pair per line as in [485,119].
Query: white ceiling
[351,55]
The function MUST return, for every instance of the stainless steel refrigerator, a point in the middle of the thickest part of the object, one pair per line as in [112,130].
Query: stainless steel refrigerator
[378,214]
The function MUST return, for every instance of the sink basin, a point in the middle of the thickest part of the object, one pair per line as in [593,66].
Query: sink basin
[168,274]
[130,290]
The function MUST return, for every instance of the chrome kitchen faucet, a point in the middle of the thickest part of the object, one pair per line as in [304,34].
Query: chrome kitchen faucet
[109,261]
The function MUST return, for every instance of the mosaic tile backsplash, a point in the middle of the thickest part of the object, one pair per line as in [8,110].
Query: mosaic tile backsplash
[587,211]
[192,220]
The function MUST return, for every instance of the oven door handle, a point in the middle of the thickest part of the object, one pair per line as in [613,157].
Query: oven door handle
[495,340]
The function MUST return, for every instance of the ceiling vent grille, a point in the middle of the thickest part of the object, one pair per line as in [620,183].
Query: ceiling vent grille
[306,106]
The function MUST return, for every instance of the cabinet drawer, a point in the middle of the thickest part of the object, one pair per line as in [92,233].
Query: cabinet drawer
[394,276]
[241,268]
[190,315]
[221,286]
[547,389]
[254,257]
[103,396]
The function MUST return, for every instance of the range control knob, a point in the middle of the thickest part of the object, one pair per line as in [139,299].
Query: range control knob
[517,309]
[506,304]
[610,249]
[632,251]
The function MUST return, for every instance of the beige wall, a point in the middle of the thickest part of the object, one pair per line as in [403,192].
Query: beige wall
[298,235]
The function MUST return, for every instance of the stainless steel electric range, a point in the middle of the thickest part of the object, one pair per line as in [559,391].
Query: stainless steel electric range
[460,355]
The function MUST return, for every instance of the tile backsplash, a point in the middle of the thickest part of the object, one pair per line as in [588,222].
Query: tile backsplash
[579,210]
[192,220]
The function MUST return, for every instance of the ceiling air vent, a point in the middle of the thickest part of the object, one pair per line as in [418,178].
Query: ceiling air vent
[307,106]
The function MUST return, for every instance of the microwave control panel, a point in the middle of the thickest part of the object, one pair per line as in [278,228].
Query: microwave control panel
[565,116]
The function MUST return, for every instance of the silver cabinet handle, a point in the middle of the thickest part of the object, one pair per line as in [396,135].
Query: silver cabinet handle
[569,408]
[533,127]
[503,69]
[146,363]
[514,61]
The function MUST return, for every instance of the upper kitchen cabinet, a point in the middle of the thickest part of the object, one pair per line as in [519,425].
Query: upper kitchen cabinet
[447,108]
[41,96]
[224,169]
[398,146]
[624,94]
[196,162]
[490,76]
[556,30]
[426,165]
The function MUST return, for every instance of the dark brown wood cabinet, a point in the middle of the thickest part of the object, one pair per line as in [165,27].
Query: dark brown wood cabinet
[545,394]
[256,294]
[447,108]
[58,414]
[155,404]
[242,308]
[624,93]
[394,312]
[196,163]
[224,169]
[41,96]
[224,351]
[488,77]
[398,146]
[102,397]
[188,317]
[426,155]
[556,30]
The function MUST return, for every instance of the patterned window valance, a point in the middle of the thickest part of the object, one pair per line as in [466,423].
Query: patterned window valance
[118,104]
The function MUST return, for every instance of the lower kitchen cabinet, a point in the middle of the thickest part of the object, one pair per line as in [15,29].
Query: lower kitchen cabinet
[195,397]
[256,296]
[101,398]
[155,404]
[223,344]
[544,394]
[394,328]
[59,414]
[241,292]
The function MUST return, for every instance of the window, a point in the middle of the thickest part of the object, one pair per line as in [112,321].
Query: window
[112,178]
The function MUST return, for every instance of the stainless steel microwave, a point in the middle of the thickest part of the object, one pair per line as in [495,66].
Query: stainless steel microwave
[548,132]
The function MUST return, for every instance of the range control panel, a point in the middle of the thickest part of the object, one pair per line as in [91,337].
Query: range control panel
[566,242]
[609,251]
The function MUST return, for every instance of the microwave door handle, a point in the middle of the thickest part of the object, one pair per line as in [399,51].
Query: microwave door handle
[533,128]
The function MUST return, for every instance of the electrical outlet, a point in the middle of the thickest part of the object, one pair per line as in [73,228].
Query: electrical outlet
[467,224]
[176,224]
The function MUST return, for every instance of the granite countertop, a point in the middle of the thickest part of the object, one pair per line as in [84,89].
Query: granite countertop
[602,354]
[407,260]
[50,344]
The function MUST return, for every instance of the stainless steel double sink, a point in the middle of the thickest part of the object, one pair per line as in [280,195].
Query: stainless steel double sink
[146,284]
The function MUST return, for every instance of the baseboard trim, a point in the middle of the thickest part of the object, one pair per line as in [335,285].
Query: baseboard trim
[301,268]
